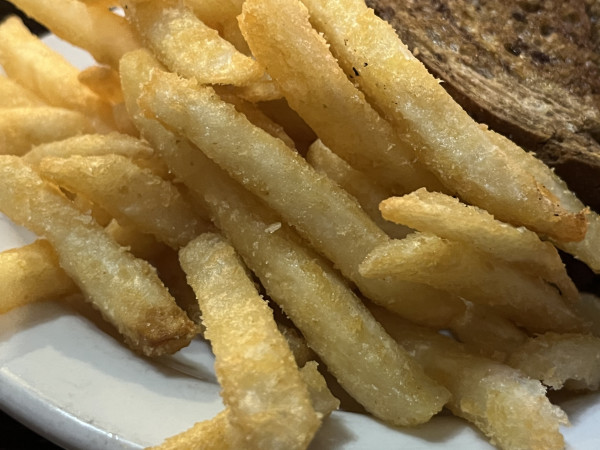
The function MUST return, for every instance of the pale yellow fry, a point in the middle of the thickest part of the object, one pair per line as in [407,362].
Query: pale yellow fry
[181,156]
[440,132]
[32,274]
[320,396]
[509,408]
[269,404]
[323,213]
[129,193]
[91,145]
[92,27]
[367,192]
[217,433]
[125,289]
[24,127]
[187,46]
[215,12]
[263,90]
[448,218]
[255,115]
[140,245]
[373,369]
[585,250]
[560,360]
[212,434]
[47,73]
[103,81]
[298,59]
[12,95]
[475,276]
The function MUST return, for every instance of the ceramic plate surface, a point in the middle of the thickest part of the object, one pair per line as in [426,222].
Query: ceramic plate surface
[67,379]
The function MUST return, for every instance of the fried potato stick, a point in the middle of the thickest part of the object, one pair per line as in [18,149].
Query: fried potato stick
[509,408]
[356,183]
[378,373]
[448,218]
[129,193]
[91,145]
[31,274]
[94,28]
[24,127]
[323,213]
[440,132]
[30,62]
[297,57]
[184,44]
[125,289]
[268,402]
[12,95]
[480,278]
[560,360]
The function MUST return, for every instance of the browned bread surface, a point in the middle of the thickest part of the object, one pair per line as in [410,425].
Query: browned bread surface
[529,69]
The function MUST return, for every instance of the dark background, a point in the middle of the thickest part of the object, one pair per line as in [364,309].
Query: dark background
[13,435]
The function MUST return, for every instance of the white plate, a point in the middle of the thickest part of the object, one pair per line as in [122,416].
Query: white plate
[64,377]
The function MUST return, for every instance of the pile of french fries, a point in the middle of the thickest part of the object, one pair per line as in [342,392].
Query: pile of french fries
[287,156]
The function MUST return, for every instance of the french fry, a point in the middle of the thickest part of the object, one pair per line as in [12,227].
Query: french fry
[24,127]
[509,408]
[48,74]
[560,360]
[366,191]
[91,145]
[215,12]
[268,402]
[441,133]
[129,193]
[32,274]
[91,27]
[323,213]
[446,217]
[480,278]
[125,289]
[187,46]
[12,94]
[104,82]
[332,319]
[296,56]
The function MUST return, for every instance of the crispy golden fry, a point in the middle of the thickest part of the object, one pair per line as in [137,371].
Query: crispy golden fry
[440,132]
[300,349]
[475,276]
[129,193]
[92,27]
[332,319]
[325,214]
[187,46]
[509,408]
[450,219]
[91,145]
[12,95]
[104,82]
[364,190]
[212,434]
[31,274]
[269,404]
[140,245]
[180,155]
[263,90]
[557,360]
[24,127]
[48,74]
[215,12]
[320,396]
[585,250]
[298,58]
[125,289]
